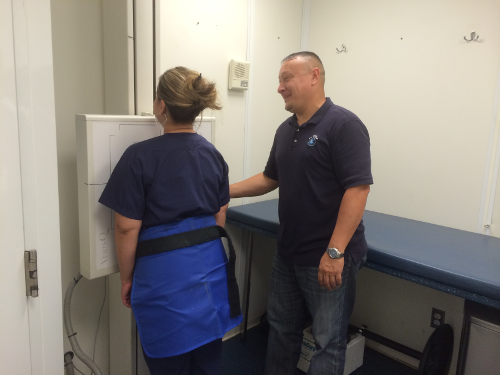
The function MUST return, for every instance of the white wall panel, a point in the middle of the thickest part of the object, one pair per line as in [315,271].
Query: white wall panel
[275,37]
[495,216]
[144,81]
[425,94]
[489,220]
[77,40]
[117,26]
[205,36]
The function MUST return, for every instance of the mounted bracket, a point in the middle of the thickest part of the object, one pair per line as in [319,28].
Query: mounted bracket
[31,273]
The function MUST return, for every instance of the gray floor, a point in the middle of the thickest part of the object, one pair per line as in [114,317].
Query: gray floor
[247,358]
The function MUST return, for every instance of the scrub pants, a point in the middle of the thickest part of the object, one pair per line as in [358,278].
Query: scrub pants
[205,360]
[295,289]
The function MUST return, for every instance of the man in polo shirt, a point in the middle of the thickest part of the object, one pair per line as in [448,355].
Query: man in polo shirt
[320,160]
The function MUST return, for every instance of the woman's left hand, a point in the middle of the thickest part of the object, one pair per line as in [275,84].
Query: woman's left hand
[126,292]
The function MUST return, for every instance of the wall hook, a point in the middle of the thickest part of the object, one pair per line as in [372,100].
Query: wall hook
[344,49]
[473,37]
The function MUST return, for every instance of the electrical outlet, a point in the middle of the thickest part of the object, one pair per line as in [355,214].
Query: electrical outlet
[437,318]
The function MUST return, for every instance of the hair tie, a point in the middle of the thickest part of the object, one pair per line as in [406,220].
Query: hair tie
[199,77]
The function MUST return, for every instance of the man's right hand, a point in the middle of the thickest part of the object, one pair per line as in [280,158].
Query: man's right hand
[257,185]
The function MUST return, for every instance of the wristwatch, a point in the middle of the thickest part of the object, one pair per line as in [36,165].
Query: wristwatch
[334,253]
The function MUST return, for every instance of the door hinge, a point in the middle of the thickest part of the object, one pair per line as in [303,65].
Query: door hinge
[31,273]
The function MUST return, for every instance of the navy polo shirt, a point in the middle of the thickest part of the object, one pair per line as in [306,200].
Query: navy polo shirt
[314,164]
[167,179]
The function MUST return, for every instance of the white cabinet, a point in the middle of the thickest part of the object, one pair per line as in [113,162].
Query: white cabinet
[480,343]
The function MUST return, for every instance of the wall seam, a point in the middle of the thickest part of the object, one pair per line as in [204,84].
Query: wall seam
[494,180]
[490,177]
[306,16]
[247,140]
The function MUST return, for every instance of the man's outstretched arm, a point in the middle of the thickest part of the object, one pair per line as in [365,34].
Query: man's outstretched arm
[257,185]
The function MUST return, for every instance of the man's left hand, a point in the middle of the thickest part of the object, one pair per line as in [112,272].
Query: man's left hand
[330,272]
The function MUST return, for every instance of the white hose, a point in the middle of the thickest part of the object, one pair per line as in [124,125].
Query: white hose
[69,328]
[69,369]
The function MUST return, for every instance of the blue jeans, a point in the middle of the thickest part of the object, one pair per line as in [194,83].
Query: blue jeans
[294,290]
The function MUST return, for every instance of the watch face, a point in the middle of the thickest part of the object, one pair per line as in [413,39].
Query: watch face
[334,253]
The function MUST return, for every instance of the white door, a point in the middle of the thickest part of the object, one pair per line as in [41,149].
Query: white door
[15,357]
[30,328]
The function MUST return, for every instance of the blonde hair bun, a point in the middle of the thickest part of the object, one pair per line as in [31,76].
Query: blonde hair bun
[186,93]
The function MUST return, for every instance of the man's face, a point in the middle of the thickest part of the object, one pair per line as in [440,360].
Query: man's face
[295,84]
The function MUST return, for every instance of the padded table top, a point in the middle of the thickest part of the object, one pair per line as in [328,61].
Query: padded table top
[457,262]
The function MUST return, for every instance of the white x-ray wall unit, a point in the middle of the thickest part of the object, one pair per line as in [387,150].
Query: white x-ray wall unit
[101,141]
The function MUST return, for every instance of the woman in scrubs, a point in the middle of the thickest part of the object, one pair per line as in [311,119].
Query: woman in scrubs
[164,186]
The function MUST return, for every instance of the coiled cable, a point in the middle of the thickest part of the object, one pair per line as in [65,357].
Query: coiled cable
[69,328]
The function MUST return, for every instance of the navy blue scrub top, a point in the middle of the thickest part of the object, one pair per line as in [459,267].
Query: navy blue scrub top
[167,179]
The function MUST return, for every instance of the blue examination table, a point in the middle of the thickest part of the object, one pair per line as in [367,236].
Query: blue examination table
[453,261]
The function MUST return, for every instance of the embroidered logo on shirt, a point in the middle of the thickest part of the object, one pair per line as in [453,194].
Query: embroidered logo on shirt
[312,140]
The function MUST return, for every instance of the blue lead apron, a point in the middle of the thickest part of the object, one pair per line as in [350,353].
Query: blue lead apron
[180,297]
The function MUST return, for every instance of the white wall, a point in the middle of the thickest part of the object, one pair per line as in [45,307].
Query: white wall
[118,48]
[274,38]
[427,97]
[407,74]
[77,38]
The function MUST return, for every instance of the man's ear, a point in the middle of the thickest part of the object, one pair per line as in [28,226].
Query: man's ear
[315,78]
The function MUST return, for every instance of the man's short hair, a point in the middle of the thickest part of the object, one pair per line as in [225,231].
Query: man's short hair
[310,55]
[302,54]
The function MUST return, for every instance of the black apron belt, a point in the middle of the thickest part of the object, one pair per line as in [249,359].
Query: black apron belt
[192,238]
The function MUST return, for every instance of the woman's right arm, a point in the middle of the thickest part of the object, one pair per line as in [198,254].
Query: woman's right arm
[126,236]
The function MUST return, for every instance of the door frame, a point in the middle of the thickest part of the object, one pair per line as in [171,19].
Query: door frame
[14,326]
[32,32]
